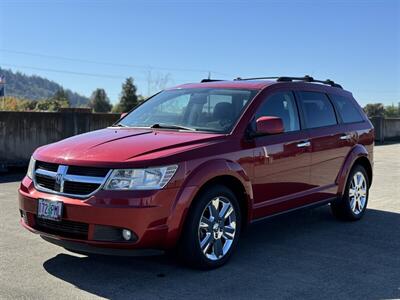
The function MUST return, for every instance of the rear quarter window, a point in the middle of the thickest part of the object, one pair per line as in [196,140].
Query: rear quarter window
[346,109]
[317,109]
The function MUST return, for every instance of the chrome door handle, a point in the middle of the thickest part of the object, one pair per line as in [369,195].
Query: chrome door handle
[304,144]
[345,137]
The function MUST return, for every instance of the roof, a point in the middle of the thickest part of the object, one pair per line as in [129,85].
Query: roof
[260,83]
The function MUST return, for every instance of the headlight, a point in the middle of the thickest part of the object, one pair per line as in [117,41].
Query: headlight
[140,179]
[31,168]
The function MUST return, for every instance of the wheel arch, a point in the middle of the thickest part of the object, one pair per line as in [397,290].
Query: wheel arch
[236,186]
[223,172]
[364,161]
[357,155]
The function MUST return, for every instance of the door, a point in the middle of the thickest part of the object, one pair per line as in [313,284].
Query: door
[328,147]
[282,161]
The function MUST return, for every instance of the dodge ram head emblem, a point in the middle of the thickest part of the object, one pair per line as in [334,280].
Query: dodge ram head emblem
[59,184]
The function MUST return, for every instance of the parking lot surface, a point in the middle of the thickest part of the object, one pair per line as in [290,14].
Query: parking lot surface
[304,254]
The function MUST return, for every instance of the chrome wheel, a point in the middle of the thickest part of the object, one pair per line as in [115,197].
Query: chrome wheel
[217,228]
[358,193]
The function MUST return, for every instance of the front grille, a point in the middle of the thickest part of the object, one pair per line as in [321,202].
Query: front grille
[46,166]
[72,180]
[64,228]
[87,171]
[80,188]
[45,182]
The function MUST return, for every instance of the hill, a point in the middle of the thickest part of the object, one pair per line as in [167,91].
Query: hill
[36,88]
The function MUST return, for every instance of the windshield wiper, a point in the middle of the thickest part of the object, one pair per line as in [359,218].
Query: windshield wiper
[168,126]
[119,125]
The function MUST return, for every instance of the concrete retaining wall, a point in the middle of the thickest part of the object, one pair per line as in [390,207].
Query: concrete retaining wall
[22,132]
[386,129]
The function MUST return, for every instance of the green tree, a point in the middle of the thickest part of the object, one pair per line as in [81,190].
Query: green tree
[374,110]
[99,101]
[29,105]
[49,105]
[16,104]
[128,99]
[391,111]
[62,97]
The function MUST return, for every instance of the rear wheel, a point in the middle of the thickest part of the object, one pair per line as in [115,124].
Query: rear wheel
[212,229]
[353,204]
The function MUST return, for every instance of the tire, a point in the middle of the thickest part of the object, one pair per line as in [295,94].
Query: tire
[208,239]
[353,204]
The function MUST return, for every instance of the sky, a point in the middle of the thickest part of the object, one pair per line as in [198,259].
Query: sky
[88,44]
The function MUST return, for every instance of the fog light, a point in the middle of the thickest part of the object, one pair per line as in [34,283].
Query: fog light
[127,234]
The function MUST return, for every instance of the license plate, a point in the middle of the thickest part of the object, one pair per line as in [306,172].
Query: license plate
[51,210]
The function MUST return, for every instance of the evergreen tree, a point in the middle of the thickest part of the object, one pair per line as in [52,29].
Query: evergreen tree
[128,99]
[99,101]
[61,96]
[37,88]
[391,111]
[374,110]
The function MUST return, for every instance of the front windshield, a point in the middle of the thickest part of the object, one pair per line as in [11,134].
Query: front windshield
[204,109]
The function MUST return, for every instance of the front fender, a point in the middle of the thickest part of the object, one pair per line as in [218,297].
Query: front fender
[356,152]
[194,181]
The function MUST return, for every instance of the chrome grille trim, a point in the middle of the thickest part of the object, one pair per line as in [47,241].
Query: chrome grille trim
[61,176]
[84,179]
[46,173]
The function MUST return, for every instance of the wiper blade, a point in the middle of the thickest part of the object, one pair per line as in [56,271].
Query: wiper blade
[168,126]
[119,125]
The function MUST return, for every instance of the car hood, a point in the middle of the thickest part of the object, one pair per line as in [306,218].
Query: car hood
[112,146]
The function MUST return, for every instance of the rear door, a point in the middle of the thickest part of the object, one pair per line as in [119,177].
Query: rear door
[328,149]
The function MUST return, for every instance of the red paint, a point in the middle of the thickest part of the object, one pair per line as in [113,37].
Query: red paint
[269,125]
[274,172]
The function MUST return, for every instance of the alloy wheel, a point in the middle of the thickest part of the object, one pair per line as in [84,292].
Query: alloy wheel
[217,228]
[358,193]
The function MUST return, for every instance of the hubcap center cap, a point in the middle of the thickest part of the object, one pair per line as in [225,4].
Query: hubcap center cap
[217,228]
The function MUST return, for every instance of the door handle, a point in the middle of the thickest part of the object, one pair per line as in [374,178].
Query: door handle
[345,137]
[303,144]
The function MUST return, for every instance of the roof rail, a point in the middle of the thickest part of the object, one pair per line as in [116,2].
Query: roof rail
[305,78]
[256,78]
[210,80]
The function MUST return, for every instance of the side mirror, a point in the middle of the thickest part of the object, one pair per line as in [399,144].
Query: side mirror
[269,125]
[123,115]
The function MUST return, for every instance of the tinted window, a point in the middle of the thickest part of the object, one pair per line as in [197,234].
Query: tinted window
[347,110]
[318,110]
[281,105]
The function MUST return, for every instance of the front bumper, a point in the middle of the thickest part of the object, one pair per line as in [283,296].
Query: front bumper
[145,213]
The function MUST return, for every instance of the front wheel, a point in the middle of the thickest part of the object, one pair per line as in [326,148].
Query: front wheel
[353,204]
[212,228]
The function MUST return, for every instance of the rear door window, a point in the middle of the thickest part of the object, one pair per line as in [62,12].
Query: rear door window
[317,109]
[347,110]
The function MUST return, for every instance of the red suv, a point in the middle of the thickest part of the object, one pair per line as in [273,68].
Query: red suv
[193,165]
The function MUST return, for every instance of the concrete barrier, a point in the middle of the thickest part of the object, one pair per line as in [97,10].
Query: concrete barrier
[22,132]
[386,129]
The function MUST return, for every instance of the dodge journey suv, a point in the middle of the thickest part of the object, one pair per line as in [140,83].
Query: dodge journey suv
[193,165]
